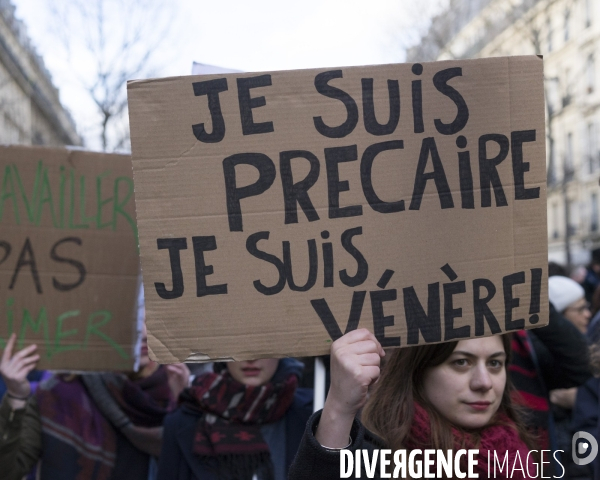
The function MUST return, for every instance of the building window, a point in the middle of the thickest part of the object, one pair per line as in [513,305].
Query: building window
[573,217]
[555,231]
[568,164]
[553,93]
[549,34]
[590,67]
[567,22]
[588,13]
[594,213]
[566,100]
[552,164]
[591,147]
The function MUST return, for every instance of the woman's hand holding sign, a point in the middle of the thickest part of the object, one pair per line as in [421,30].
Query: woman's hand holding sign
[14,370]
[355,360]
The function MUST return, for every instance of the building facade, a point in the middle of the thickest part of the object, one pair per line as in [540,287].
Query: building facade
[567,34]
[30,109]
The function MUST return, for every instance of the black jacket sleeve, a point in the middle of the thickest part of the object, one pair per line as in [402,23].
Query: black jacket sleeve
[586,412]
[313,462]
[562,352]
[20,439]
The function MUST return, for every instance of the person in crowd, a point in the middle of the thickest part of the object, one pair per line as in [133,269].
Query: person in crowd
[20,429]
[548,363]
[243,421]
[586,411]
[593,331]
[568,297]
[94,426]
[592,277]
[452,395]
[595,304]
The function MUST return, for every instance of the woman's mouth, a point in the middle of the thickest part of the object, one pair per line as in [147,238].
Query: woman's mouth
[479,406]
[251,371]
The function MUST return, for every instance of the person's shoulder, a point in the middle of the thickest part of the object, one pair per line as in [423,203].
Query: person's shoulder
[181,416]
[299,412]
[302,403]
[304,397]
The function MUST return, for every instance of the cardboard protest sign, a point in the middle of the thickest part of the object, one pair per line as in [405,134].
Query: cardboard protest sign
[69,262]
[279,210]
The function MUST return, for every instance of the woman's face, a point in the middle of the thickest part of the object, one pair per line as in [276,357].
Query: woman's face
[255,372]
[467,388]
[578,313]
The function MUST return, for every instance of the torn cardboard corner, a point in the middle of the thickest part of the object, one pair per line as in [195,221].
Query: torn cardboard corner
[203,358]
[69,256]
[279,210]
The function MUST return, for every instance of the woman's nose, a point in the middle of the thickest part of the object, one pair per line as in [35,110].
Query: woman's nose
[480,378]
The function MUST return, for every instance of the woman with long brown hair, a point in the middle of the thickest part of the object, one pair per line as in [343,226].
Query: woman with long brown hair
[448,396]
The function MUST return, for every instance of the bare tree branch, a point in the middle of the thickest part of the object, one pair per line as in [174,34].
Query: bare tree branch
[120,38]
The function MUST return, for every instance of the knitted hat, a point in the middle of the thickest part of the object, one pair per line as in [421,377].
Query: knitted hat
[563,291]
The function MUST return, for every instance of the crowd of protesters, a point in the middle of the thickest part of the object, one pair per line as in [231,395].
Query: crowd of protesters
[507,394]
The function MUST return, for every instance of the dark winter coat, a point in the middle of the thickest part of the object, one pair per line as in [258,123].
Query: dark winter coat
[586,415]
[178,462]
[314,462]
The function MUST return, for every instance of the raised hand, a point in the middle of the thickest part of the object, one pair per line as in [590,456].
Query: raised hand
[355,360]
[14,370]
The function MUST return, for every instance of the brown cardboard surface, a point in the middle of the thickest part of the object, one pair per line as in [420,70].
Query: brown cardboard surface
[69,259]
[460,257]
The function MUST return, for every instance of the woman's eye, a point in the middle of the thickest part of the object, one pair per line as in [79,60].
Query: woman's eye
[461,362]
[495,363]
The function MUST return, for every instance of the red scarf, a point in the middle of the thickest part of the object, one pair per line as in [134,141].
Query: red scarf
[229,430]
[495,439]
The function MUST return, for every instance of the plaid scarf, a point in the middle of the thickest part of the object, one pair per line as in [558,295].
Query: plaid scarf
[79,442]
[498,438]
[146,401]
[229,429]
[530,392]
[74,428]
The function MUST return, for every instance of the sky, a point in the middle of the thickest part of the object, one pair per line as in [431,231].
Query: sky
[260,35]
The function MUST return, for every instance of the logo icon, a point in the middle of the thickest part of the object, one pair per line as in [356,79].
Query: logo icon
[587,448]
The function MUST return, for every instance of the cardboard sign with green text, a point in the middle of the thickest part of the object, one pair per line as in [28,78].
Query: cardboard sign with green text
[69,261]
[279,210]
